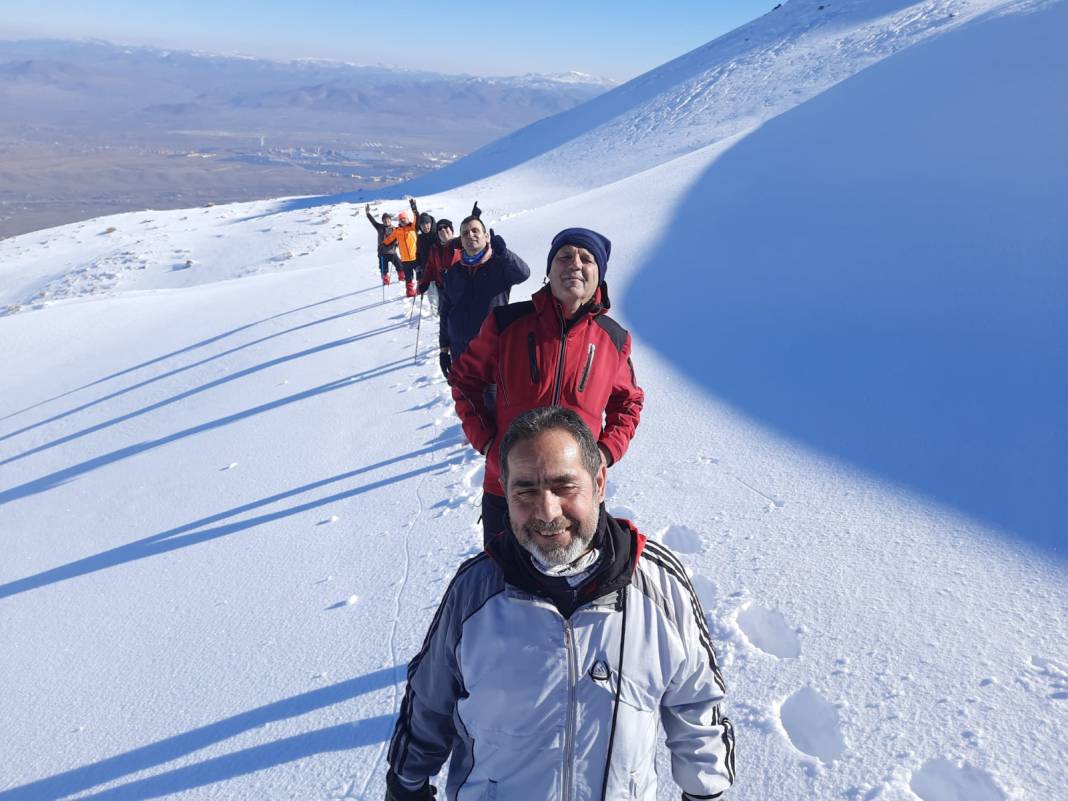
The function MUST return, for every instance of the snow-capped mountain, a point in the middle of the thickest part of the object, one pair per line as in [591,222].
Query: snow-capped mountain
[233,488]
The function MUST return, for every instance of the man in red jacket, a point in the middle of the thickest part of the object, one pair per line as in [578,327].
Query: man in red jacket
[442,254]
[560,348]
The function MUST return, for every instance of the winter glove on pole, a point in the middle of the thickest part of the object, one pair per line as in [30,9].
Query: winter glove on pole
[395,791]
[445,360]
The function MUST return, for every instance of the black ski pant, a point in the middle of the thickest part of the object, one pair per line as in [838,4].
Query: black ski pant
[386,259]
[494,515]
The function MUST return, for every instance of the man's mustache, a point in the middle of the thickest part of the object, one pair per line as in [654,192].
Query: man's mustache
[543,527]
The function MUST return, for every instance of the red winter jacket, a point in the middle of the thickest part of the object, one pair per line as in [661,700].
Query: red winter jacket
[536,359]
[440,259]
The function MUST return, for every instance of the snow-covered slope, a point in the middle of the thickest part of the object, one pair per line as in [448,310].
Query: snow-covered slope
[232,493]
[727,87]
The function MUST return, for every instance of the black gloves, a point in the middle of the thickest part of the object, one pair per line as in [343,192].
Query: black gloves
[497,242]
[395,791]
[476,211]
[445,360]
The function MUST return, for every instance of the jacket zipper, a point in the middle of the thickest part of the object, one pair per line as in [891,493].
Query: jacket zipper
[569,733]
[532,353]
[560,366]
[589,365]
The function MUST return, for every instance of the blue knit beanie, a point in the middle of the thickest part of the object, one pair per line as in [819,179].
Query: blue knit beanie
[594,242]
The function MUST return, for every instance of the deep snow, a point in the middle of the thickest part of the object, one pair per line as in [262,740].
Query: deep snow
[230,497]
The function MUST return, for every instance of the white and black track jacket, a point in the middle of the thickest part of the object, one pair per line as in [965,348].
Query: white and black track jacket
[536,706]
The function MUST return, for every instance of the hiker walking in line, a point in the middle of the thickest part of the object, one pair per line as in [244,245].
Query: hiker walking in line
[387,244]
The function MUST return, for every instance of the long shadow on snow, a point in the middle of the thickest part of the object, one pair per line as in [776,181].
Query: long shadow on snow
[178,370]
[195,533]
[881,274]
[216,769]
[59,477]
[197,390]
[202,343]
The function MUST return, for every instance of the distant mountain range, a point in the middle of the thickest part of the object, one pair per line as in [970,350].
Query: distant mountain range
[91,127]
[43,78]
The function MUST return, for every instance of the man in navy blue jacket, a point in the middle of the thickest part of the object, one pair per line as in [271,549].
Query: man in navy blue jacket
[481,280]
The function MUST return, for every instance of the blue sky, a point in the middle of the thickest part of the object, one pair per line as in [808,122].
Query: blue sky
[614,40]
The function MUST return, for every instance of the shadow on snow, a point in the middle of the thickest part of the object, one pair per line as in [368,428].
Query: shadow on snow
[197,390]
[198,531]
[880,274]
[228,766]
[195,346]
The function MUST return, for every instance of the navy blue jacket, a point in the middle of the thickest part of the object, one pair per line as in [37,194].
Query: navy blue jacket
[468,294]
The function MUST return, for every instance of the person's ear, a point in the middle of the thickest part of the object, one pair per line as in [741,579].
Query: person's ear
[601,482]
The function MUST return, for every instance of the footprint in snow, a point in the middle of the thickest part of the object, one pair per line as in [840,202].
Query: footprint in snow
[681,539]
[941,780]
[811,722]
[767,630]
[1055,676]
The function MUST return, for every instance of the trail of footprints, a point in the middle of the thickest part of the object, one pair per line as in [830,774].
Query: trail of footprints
[810,721]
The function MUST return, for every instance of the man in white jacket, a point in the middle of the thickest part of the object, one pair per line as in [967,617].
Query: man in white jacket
[552,654]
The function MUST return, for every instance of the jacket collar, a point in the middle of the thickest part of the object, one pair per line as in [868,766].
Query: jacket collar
[599,304]
[487,254]
[620,545]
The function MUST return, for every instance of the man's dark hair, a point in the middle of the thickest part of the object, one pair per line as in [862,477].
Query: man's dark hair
[533,422]
[474,217]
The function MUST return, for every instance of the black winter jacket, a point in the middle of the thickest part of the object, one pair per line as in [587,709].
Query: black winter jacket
[468,294]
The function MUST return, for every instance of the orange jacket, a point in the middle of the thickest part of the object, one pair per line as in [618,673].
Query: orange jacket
[405,236]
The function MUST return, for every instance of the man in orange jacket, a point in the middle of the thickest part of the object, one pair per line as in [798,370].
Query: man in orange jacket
[406,236]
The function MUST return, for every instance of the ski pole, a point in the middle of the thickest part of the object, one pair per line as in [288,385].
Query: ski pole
[418,327]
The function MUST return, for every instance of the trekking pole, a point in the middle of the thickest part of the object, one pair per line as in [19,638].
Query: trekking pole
[418,327]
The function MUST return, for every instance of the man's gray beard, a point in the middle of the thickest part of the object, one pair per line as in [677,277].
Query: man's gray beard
[558,554]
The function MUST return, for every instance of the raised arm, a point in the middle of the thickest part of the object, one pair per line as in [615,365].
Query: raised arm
[515,269]
[367,213]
